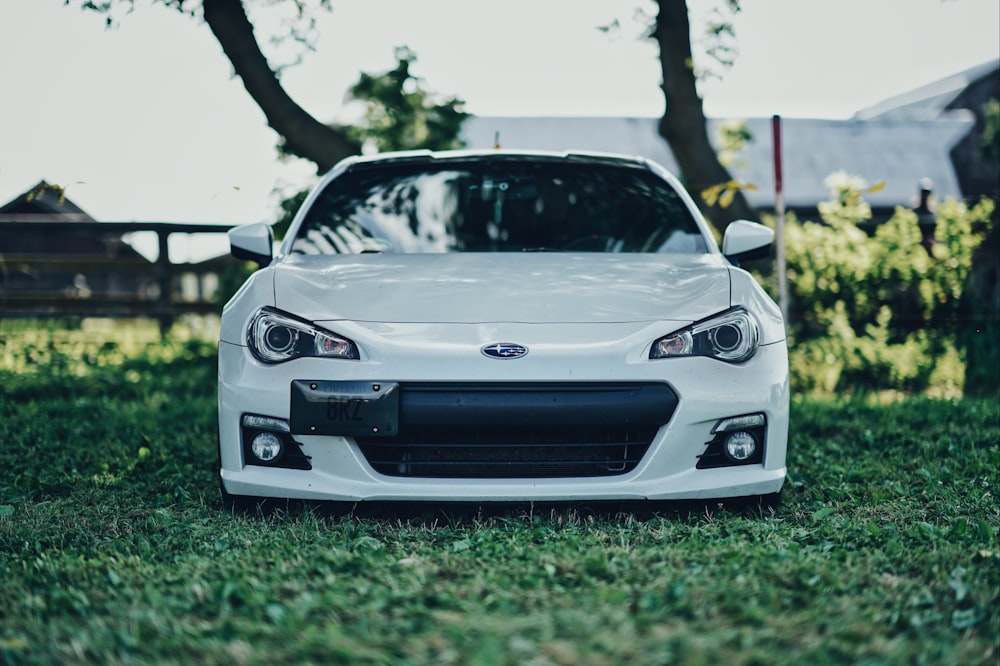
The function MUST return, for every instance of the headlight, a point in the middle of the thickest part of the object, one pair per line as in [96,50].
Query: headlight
[731,336]
[274,337]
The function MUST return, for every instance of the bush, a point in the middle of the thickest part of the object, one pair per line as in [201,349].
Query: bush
[880,310]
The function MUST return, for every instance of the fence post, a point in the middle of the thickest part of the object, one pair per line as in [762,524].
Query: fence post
[163,280]
[779,209]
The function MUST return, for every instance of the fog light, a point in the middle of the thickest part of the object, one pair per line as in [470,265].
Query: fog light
[266,446]
[740,446]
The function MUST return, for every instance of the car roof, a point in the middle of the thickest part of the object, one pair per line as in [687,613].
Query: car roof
[428,156]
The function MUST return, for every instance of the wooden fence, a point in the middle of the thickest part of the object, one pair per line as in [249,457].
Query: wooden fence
[45,278]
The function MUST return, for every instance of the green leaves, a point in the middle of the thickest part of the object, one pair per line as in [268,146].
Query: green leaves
[401,114]
[874,310]
[724,193]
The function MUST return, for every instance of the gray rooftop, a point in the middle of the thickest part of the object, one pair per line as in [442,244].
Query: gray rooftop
[931,100]
[899,152]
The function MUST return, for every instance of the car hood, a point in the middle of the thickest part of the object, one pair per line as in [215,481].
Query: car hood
[539,287]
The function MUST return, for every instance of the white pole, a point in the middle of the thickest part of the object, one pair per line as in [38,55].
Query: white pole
[779,209]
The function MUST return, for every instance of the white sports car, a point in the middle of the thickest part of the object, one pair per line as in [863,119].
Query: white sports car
[501,326]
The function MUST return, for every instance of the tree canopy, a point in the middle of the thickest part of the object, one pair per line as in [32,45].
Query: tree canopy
[400,114]
[683,123]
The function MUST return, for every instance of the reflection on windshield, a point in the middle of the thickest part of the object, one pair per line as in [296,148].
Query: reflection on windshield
[498,206]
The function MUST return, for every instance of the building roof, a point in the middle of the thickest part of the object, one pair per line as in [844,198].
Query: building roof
[44,199]
[46,203]
[899,142]
[929,101]
[898,152]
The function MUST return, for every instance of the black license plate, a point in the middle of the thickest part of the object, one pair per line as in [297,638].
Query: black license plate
[344,408]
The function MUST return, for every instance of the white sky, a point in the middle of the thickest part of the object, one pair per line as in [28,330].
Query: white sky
[145,122]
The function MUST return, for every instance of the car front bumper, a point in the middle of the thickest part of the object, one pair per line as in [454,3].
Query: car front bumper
[706,390]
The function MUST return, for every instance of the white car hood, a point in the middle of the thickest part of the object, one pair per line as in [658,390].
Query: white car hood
[539,287]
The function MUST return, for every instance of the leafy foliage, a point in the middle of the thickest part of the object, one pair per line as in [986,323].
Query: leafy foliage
[723,194]
[734,135]
[719,38]
[114,547]
[878,311]
[295,24]
[286,212]
[989,145]
[400,114]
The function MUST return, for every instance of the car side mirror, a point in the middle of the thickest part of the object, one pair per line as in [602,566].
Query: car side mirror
[252,242]
[745,240]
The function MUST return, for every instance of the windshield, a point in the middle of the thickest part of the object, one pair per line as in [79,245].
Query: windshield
[498,206]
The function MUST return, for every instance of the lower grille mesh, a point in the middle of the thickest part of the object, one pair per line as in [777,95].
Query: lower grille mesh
[521,431]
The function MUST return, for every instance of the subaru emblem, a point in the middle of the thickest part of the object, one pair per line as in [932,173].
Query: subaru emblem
[504,350]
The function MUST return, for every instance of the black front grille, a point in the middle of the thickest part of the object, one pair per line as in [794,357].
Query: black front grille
[521,430]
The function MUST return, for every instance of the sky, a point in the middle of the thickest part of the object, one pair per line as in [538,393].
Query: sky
[145,121]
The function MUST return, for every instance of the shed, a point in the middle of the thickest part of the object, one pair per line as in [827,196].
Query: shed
[76,264]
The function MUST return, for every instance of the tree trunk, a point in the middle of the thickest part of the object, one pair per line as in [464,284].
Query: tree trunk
[302,134]
[683,122]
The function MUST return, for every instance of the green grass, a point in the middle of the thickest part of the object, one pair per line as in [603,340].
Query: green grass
[114,547]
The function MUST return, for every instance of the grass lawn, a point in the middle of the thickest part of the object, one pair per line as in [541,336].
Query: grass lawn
[114,547]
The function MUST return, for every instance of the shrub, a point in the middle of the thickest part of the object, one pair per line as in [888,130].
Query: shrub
[878,311]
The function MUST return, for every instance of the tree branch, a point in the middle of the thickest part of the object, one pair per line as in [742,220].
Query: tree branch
[303,135]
